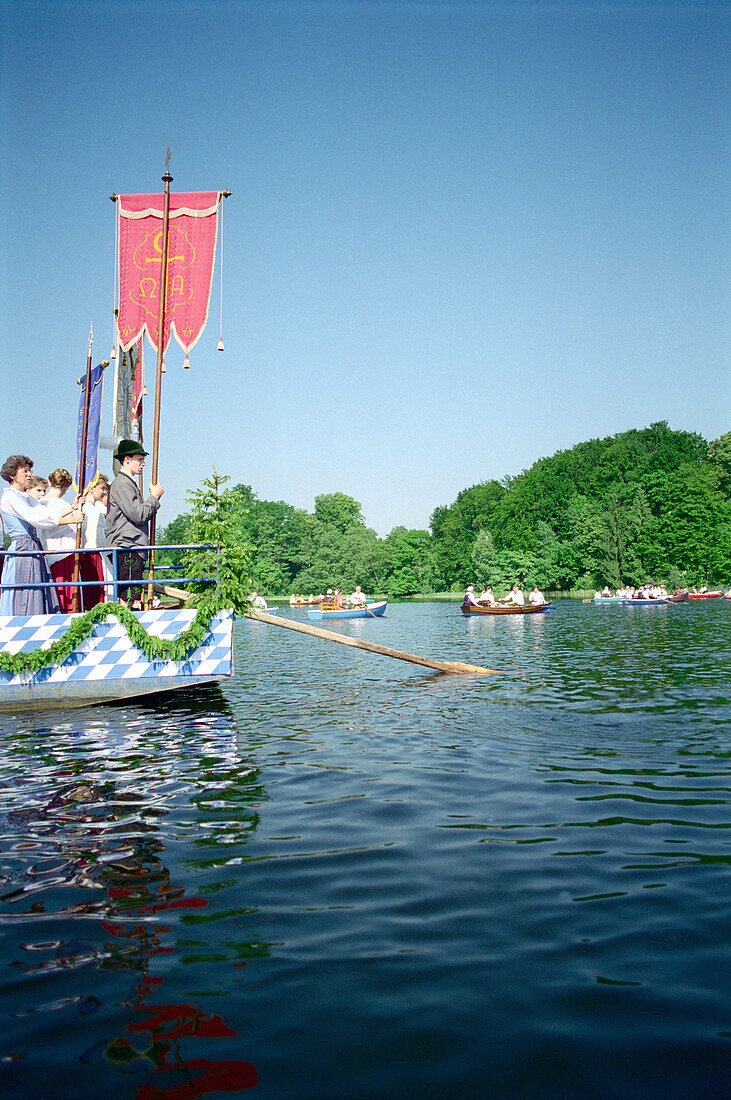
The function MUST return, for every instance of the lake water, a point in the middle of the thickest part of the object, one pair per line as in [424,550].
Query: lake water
[344,876]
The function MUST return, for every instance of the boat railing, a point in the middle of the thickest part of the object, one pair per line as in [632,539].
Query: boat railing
[111,583]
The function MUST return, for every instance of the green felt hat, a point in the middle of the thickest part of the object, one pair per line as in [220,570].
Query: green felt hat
[129,447]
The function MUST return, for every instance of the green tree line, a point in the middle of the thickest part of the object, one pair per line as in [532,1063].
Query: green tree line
[650,503]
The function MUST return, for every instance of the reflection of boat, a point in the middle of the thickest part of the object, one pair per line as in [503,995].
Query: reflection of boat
[108,843]
[705,595]
[371,609]
[505,609]
[107,665]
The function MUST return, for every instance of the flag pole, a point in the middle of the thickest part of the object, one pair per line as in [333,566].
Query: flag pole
[167,179]
[82,469]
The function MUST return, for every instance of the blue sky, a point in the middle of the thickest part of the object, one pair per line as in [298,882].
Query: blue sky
[461,237]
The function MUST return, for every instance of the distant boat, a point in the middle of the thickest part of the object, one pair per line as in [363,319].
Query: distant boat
[505,609]
[705,595]
[606,599]
[366,612]
[680,598]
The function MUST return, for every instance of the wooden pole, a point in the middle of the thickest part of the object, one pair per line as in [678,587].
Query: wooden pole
[82,469]
[167,180]
[357,643]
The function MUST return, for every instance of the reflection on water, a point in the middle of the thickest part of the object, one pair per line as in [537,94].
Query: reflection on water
[90,903]
[341,876]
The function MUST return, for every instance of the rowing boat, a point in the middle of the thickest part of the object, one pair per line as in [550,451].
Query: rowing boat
[705,595]
[504,609]
[631,602]
[366,612]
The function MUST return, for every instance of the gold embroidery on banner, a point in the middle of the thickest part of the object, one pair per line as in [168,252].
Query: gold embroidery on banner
[181,256]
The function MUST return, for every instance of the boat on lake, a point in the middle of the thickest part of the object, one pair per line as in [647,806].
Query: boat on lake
[630,601]
[505,609]
[706,595]
[112,652]
[371,609]
[107,665]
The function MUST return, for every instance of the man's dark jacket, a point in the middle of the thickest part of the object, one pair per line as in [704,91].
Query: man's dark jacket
[128,515]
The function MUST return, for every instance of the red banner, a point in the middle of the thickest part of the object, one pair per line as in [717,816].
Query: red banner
[193,225]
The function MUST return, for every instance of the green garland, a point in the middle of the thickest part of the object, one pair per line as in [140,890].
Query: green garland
[156,649]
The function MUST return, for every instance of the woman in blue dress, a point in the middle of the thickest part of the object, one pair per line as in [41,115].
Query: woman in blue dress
[21,516]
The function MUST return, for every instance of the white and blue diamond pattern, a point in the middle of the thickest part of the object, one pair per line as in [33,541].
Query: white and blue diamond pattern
[109,655]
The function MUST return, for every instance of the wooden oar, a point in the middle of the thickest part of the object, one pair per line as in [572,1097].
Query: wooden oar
[385,651]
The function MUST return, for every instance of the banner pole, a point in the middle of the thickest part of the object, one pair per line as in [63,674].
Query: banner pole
[82,469]
[167,180]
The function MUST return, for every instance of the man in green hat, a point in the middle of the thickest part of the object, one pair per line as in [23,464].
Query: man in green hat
[128,516]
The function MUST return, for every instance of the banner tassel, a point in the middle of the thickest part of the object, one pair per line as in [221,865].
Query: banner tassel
[186,364]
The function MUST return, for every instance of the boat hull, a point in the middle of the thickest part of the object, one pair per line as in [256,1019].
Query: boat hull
[350,612]
[107,666]
[705,595]
[660,600]
[516,609]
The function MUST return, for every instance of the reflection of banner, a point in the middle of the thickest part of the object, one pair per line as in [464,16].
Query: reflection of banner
[96,380]
[127,422]
[191,251]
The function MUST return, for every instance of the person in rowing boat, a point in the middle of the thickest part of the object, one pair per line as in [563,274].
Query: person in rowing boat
[357,598]
[469,596]
[514,596]
[486,597]
[258,601]
[128,516]
[536,597]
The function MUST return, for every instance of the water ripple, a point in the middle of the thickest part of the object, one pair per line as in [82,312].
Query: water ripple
[509,885]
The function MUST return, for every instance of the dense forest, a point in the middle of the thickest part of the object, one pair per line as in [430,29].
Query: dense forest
[645,504]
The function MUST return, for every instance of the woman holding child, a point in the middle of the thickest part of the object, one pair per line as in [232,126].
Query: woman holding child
[23,516]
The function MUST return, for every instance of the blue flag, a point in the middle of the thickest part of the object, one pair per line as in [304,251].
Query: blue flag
[96,378]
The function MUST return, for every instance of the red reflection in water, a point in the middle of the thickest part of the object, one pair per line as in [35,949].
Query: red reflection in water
[175,1079]
[137,885]
[207,1077]
[190,1020]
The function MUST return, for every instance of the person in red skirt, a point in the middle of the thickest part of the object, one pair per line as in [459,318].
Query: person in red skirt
[61,538]
[93,536]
